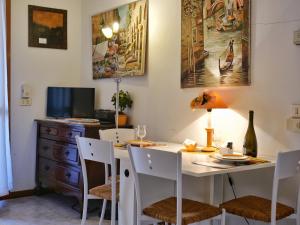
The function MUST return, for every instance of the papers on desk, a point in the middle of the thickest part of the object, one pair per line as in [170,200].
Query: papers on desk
[213,164]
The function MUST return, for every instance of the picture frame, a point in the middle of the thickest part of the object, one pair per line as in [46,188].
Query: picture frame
[124,53]
[221,54]
[47,27]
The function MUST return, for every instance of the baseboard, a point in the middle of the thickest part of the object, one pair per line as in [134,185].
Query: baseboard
[18,194]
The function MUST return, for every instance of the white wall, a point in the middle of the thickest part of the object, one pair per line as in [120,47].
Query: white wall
[164,107]
[38,68]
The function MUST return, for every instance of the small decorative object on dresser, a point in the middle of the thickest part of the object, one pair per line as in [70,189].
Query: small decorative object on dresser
[58,165]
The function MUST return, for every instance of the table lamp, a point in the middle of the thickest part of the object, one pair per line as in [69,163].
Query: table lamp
[208,101]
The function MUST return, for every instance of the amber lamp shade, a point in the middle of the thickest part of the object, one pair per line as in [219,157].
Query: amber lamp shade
[209,101]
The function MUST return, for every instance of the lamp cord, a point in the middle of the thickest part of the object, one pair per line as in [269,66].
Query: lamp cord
[230,180]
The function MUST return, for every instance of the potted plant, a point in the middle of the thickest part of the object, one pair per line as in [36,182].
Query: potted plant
[125,101]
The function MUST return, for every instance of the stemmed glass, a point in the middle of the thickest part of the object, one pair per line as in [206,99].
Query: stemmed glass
[141,131]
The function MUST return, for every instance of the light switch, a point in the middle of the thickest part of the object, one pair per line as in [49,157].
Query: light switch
[293,124]
[25,102]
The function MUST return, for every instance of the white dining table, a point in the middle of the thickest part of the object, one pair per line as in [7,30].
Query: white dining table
[190,171]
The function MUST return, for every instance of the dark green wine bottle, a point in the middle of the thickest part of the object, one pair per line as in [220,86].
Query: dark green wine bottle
[250,142]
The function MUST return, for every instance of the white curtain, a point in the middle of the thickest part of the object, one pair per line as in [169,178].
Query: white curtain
[5,158]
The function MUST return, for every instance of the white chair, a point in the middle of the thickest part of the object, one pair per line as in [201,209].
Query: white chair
[269,211]
[117,136]
[99,151]
[173,210]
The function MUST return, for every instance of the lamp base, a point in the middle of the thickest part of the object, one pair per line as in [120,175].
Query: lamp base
[209,149]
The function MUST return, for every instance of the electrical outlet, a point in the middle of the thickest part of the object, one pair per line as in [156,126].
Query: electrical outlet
[296,111]
[297,37]
[25,102]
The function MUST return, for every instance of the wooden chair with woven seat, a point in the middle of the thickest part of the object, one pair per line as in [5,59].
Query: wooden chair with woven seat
[172,210]
[99,151]
[270,211]
[120,136]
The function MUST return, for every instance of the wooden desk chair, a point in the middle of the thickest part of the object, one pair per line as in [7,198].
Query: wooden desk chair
[269,211]
[173,210]
[99,151]
[117,136]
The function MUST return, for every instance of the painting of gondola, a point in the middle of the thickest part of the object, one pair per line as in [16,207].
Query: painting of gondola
[123,51]
[215,43]
[47,27]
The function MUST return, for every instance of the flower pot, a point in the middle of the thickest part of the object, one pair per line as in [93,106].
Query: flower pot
[122,120]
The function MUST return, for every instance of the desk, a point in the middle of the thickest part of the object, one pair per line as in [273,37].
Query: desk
[127,203]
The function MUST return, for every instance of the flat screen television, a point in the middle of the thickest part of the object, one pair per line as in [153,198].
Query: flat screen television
[66,102]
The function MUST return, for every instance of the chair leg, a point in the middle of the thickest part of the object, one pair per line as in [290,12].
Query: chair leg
[113,214]
[84,210]
[223,217]
[102,212]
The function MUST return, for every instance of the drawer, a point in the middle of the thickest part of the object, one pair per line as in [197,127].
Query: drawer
[52,131]
[46,168]
[51,170]
[58,151]
[67,153]
[66,134]
[68,175]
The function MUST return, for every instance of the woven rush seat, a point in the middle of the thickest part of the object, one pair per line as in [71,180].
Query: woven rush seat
[105,191]
[192,211]
[256,208]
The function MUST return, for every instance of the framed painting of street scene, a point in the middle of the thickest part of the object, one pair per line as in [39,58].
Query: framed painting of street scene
[47,27]
[215,43]
[119,39]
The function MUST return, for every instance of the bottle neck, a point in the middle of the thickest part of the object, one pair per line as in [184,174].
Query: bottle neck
[251,118]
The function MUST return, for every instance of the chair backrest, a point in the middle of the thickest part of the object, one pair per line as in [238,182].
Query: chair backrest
[287,166]
[96,150]
[120,135]
[162,164]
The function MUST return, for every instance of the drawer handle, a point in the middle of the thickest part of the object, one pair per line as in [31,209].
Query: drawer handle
[70,134]
[67,153]
[48,130]
[68,175]
[47,168]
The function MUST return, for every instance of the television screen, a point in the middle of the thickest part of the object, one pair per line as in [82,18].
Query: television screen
[83,100]
[64,102]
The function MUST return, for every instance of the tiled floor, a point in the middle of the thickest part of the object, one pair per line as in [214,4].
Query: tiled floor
[45,210]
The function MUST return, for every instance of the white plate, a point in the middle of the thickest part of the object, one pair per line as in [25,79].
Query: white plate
[238,158]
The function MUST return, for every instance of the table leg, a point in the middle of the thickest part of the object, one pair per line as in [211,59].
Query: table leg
[216,196]
[127,209]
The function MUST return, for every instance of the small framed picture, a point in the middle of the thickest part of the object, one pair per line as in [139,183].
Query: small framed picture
[47,27]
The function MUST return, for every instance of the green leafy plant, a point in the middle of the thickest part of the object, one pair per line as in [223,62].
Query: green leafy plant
[125,100]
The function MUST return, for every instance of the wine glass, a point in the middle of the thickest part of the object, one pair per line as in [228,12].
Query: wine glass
[141,132]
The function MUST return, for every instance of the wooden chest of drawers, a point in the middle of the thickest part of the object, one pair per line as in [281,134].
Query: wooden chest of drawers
[58,163]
